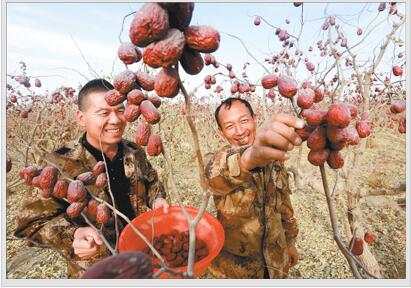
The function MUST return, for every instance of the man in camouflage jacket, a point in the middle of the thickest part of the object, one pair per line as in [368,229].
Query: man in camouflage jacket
[252,195]
[45,221]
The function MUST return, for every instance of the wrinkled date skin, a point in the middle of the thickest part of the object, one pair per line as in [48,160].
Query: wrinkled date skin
[113,97]
[202,38]
[305,132]
[150,24]
[154,145]
[363,128]
[135,96]
[98,168]
[132,112]
[155,100]
[269,81]
[102,214]
[101,180]
[318,158]
[338,115]
[337,135]
[125,81]
[314,117]
[76,192]
[150,112]
[48,177]
[129,53]
[87,178]
[353,110]
[191,61]
[145,80]
[358,246]
[92,208]
[335,160]
[165,52]
[398,106]
[174,248]
[179,14]
[306,99]
[319,95]
[287,86]
[60,189]
[143,132]
[166,84]
[128,265]
[75,209]
[318,139]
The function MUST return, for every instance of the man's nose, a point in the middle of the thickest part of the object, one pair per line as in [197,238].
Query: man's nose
[115,118]
[238,129]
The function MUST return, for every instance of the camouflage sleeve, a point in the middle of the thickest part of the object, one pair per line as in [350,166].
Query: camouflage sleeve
[287,212]
[154,187]
[44,221]
[224,172]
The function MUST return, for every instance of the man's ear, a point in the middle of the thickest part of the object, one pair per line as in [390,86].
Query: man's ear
[80,118]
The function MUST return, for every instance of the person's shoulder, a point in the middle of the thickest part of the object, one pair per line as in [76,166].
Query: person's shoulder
[221,154]
[67,148]
[132,146]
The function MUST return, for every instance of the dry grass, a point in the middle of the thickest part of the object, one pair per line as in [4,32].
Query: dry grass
[382,165]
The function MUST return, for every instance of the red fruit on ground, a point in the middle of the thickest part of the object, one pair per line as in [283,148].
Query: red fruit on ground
[369,237]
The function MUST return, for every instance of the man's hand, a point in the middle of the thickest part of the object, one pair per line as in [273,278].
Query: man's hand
[292,253]
[86,241]
[161,202]
[273,139]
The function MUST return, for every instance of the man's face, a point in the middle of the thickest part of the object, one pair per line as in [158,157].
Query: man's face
[98,113]
[237,124]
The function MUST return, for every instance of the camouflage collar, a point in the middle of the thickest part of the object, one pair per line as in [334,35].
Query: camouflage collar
[73,158]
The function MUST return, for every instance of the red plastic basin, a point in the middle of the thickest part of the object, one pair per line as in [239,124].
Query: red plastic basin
[209,229]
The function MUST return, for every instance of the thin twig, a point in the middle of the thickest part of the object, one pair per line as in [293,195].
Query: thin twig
[352,260]
[85,60]
[122,25]
[246,49]
[109,185]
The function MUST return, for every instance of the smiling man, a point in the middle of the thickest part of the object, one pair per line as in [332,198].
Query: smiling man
[132,179]
[251,193]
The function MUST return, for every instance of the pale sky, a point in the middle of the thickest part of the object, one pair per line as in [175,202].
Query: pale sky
[41,35]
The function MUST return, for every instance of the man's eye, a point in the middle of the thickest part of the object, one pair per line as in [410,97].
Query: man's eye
[228,127]
[244,121]
[121,111]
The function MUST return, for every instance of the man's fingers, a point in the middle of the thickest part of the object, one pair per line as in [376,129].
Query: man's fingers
[270,153]
[85,252]
[272,138]
[289,120]
[84,244]
[286,132]
[91,233]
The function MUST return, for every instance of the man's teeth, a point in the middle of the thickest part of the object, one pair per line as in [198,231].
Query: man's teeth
[244,140]
[113,130]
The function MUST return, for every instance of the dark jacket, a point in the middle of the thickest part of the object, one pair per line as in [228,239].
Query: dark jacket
[45,221]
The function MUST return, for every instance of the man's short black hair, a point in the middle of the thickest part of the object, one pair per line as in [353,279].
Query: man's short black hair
[227,102]
[95,85]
